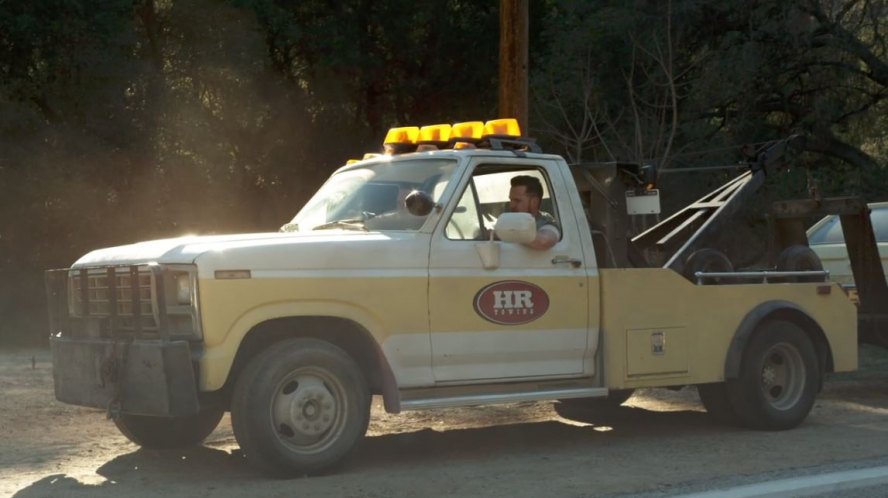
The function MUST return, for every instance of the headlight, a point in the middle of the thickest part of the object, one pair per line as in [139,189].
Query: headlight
[180,296]
[183,288]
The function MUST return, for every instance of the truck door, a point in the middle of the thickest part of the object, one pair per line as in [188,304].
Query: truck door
[529,317]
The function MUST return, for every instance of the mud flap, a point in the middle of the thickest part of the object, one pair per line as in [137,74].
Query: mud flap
[143,377]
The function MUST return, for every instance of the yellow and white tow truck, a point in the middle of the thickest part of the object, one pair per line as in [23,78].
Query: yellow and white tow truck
[405,277]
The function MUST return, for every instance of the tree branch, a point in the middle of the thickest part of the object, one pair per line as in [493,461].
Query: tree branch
[826,143]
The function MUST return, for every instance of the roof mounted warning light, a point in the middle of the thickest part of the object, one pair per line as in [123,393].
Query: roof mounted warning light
[433,137]
[401,140]
[468,132]
[502,128]
[496,134]
[505,134]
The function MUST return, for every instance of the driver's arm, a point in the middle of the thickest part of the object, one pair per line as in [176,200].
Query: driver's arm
[547,236]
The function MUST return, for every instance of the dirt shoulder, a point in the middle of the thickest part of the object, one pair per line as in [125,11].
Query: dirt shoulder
[659,440]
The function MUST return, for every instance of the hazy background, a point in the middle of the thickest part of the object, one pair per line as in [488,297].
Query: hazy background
[126,120]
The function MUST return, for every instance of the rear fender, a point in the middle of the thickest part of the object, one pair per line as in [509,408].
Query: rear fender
[775,310]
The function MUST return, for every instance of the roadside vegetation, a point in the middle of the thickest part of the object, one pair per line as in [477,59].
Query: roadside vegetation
[128,120]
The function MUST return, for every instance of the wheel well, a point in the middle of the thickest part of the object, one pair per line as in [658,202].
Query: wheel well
[751,325]
[351,337]
[812,330]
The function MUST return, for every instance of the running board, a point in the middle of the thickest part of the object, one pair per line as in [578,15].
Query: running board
[471,395]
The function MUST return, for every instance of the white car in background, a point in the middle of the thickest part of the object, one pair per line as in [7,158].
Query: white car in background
[827,241]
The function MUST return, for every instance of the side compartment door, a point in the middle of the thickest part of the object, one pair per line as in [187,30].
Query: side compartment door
[526,318]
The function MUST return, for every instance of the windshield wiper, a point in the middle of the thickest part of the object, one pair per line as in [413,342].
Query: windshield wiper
[348,224]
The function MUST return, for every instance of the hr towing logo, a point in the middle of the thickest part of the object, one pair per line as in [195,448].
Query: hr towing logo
[511,302]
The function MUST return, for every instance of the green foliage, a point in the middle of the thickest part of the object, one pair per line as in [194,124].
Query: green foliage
[130,120]
[377,64]
[685,83]
[125,120]
[740,72]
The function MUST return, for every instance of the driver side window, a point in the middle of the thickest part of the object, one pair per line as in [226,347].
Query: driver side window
[487,196]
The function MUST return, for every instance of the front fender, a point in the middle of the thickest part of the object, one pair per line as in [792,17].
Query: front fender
[220,350]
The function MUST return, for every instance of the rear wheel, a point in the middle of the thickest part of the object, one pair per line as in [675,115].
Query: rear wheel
[779,378]
[170,432]
[299,407]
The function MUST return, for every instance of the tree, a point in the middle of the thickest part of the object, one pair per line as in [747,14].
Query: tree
[738,72]
[128,120]
[608,87]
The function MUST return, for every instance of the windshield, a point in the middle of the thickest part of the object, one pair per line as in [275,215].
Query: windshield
[371,197]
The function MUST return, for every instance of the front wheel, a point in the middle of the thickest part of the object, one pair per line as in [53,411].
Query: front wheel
[299,407]
[778,380]
[170,432]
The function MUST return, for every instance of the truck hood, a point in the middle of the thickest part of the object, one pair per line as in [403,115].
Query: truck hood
[178,250]
[187,249]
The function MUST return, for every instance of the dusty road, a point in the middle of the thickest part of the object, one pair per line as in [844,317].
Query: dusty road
[661,441]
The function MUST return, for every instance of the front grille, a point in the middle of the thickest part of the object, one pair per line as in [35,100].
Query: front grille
[127,294]
[129,300]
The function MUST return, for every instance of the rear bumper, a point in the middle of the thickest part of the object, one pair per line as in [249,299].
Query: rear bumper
[143,377]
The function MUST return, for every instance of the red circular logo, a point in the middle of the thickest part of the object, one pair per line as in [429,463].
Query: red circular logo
[511,302]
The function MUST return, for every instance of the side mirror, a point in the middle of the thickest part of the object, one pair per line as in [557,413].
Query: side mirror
[518,228]
[419,203]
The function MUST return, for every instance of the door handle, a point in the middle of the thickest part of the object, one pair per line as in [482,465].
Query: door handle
[574,262]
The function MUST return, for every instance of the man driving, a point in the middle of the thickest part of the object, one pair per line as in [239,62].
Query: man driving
[525,196]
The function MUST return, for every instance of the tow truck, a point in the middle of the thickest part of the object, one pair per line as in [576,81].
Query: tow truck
[405,276]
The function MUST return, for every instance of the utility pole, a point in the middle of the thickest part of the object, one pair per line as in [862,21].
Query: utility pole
[513,61]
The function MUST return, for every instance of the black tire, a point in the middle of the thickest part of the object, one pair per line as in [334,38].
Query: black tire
[779,378]
[707,260]
[169,433]
[799,258]
[299,407]
[715,399]
[613,399]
